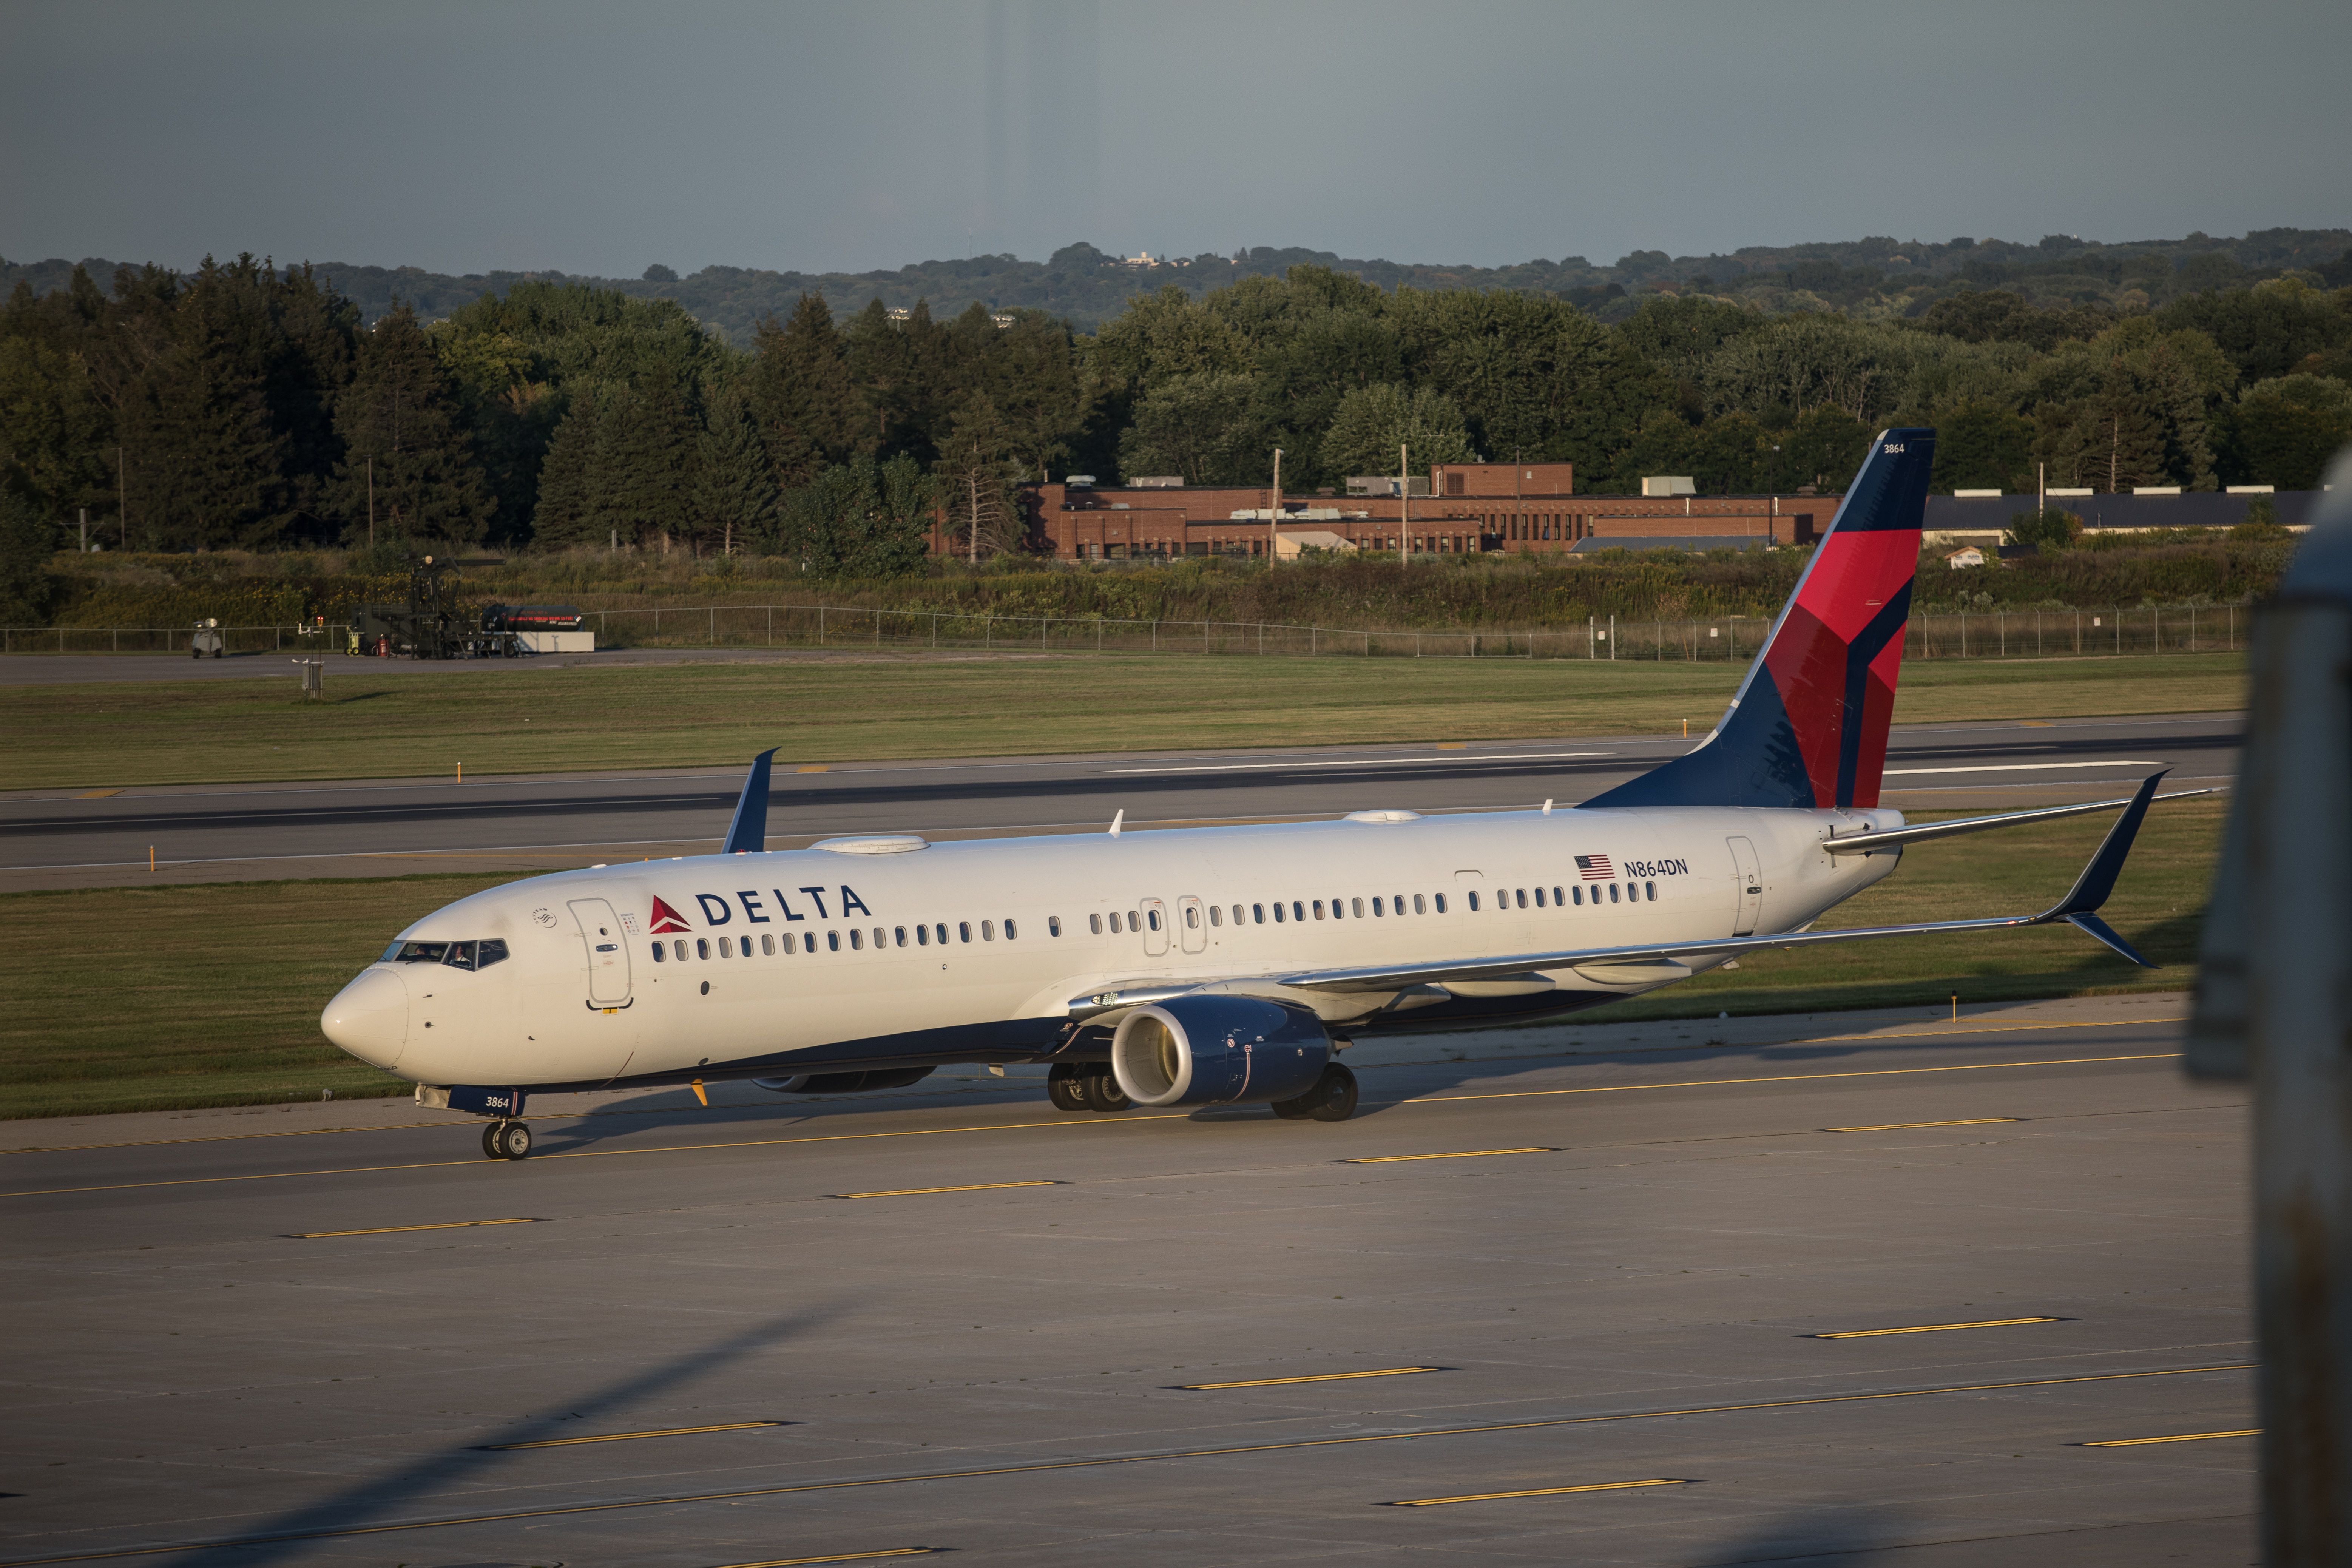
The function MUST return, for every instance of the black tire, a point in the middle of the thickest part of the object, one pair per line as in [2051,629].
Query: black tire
[1293,1110]
[1103,1094]
[1333,1097]
[517,1142]
[492,1144]
[1065,1087]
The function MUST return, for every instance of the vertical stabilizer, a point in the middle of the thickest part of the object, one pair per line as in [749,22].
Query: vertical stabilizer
[1809,726]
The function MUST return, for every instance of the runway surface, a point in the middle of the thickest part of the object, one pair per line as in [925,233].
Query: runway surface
[1577,1298]
[382,827]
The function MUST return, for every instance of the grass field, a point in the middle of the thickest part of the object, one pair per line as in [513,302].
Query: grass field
[212,993]
[377,725]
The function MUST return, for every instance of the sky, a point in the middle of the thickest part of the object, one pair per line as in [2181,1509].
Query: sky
[598,138]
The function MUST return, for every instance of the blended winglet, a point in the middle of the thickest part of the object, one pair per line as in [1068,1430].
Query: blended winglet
[748,834]
[2080,908]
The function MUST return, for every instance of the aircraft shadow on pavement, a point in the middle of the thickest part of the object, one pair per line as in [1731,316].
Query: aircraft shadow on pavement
[456,1475]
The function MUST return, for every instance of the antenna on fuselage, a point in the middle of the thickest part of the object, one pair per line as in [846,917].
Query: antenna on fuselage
[1116,817]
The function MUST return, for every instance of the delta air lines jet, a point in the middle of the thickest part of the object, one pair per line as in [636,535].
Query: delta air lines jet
[1203,966]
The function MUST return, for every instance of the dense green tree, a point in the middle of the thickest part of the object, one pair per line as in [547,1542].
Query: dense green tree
[1983,445]
[974,478]
[2267,330]
[1677,332]
[2284,431]
[204,462]
[406,443]
[1207,429]
[732,498]
[577,481]
[28,541]
[860,519]
[809,413]
[1373,422]
[2051,529]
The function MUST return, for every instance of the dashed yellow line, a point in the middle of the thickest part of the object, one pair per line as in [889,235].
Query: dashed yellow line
[925,1191]
[1465,1155]
[1310,1377]
[2181,1438]
[1537,1491]
[1931,1328]
[1906,1126]
[396,1229]
[626,1437]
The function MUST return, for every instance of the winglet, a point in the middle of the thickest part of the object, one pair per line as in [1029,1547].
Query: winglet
[2098,878]
[1119,817]
[748,834]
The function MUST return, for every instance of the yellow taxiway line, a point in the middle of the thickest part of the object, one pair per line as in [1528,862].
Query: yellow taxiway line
[1310,1377]
[2181,1437]
[925,1191]
[625,1437]
[1907,1126]
[1465,1155]
[1539,1492]
[396,1229]
[1931,1328]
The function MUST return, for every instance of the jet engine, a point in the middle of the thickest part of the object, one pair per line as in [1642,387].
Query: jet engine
[1218,1050]
[844,1082]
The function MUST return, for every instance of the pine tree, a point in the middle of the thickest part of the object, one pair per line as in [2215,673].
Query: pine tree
[203,460]
[574,481]
[807,408]
[650,444]
[732,498]
[401,434]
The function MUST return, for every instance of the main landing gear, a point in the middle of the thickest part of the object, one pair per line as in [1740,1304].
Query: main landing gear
[1333,1099]
[1084,1086]
[506,1139]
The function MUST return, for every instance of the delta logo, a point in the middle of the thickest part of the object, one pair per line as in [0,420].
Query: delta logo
[666,918]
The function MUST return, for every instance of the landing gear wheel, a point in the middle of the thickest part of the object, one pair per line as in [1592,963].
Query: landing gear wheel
[1333,1097]
[506,1139]
[1104,1094]
[1294,1110]
[1065,1086]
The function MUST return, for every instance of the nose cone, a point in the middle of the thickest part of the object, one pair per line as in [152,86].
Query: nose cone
[368,1017]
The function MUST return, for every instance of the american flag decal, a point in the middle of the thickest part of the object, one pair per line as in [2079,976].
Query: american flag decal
[1595,867]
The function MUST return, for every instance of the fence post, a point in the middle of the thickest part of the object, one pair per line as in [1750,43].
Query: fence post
[772,627]
[656,628]
[1155,636]
[714,626]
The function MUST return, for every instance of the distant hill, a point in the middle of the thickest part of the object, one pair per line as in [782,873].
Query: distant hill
[1873,277]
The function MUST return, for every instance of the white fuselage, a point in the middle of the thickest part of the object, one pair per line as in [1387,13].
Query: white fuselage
[821,959]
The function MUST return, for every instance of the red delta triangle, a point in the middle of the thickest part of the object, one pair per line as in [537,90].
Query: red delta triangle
[666,919]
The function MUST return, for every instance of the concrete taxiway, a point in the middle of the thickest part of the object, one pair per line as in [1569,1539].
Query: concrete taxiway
[56,839]
[1847,1289]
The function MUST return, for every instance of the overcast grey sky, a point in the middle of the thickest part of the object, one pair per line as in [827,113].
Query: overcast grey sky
[598,138]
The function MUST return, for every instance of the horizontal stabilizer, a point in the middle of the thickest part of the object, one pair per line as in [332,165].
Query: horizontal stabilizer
[1863,843]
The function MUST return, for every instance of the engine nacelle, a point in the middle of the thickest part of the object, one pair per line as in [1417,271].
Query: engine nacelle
[844,1082]
[1218,1050]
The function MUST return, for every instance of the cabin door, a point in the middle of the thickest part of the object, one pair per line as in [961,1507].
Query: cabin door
[1155,927]
[608,954]
[1750,888]
[1191,924]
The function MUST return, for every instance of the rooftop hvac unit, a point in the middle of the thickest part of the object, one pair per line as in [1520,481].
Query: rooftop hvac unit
[1668,485]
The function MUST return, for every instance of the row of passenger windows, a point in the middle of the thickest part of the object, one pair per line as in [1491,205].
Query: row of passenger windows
[859,937]
[1343,909]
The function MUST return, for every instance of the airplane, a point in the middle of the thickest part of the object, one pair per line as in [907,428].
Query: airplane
[1211,965]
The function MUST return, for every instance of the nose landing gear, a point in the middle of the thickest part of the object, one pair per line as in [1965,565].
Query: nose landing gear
[506,1139]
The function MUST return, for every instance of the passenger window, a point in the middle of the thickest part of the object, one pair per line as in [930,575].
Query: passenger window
[1297,910]
[1010,934]
[681,950]
[1356,907]
[1540,903]
[857,939]
[1277,914]
[940,930]
[1237,914]
[767,944]
[833,942]
[1522,896]
[1612,892]
[1053,925]
[963,930]
[1257,913]
[1192,918]
[1557,901]
[899,932]
[1216,914]
[922,936]
[1650,892]
[792,943]
[702,947]
[1319,908]
[661,951]
[1441,902]
[726,948]
[1094,924]
[1155,919]
[1379,907]
[1416,905]
[881,939]
[1577,894]
[1474,901]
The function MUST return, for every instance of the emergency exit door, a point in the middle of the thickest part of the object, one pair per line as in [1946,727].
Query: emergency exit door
[608,954]
[1750,886]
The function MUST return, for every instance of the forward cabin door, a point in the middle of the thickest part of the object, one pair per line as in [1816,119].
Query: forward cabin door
[1155,927]
[1191,924]
[1751,889]
[608,954]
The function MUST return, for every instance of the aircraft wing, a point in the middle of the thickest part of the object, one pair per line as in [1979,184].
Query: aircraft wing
[2078,908]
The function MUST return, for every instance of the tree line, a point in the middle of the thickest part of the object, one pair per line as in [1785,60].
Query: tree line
[246,405]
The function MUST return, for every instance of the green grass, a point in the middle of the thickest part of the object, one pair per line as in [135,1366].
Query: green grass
[143,999]
[378,725]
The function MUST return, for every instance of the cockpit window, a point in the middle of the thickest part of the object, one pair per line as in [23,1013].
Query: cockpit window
[455,954]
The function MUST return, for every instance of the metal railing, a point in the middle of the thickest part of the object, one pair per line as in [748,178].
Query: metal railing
[1975,634]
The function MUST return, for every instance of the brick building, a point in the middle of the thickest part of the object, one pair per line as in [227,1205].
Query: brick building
[1470,508]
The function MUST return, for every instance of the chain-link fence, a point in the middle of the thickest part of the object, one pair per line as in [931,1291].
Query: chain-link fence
[1989,634]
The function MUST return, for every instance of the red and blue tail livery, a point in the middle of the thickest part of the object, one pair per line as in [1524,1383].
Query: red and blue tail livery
[1809,726]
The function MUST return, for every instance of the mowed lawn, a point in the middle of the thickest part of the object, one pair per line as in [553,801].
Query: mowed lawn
[129,999]
[380,725]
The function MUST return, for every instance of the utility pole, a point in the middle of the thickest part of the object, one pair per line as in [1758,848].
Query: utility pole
[1274,513]
[2040,489]
[85,531]
[1404,505]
